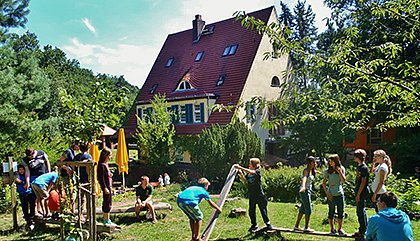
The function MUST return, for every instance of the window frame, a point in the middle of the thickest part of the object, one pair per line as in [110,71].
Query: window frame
[169,62]
[230,50]
[199,56]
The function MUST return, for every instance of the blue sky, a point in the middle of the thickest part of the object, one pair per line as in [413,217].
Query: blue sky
[124,37]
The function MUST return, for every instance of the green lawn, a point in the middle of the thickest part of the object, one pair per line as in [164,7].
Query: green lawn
[173,225]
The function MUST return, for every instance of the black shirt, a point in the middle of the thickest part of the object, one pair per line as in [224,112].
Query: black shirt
[37,166]
[254,184]
[144,193]
[362,171]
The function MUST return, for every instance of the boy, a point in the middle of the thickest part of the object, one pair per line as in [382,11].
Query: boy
[26,196]
[188,201]
[144,198]
[256,193]
[42,186]
[362,178]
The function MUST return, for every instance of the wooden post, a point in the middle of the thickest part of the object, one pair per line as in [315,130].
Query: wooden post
[92,203]
[13,192]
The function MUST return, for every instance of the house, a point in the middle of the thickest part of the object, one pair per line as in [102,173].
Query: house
[216,63]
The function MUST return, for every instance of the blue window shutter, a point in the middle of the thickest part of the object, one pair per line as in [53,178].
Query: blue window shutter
[175,114]
[202,112]
[189,114]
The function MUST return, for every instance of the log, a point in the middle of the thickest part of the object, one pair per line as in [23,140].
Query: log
[131,209]
[317,233]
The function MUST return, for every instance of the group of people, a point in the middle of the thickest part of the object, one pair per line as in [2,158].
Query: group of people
[165,180]
[333,179]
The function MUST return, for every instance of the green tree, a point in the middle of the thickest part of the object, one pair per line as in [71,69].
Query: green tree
[12,14]
[155,133]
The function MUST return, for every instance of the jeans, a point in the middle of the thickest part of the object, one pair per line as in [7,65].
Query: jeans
[262,205]
[361,214]
[306,202]
[339,202]
[27,203]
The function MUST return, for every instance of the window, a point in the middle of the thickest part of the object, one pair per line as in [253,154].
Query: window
[230,50]
[221,80]
[374,136]
[274,117]
[153,89]
[169,62]
[275,82]
[199,56]
[199,113]
[184,85]
[251,112]
[183,114]
[140,113]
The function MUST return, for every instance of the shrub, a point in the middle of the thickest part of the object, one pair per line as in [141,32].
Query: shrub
[408,192]
[5,200]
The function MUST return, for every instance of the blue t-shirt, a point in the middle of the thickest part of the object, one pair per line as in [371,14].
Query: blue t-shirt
[45,179]
[20,187]
[335,186]
[84,177]
[193,195]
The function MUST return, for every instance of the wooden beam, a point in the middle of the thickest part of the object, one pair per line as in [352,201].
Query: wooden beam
[317,233]
[130,209]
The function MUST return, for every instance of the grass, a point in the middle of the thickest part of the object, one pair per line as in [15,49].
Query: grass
[173,225]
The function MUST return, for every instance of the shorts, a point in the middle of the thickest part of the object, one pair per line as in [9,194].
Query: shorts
[107,203]
[193,212]
[40,192]
[306,207]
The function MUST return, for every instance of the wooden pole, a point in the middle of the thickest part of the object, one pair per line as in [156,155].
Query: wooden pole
[13,192]
[92,203]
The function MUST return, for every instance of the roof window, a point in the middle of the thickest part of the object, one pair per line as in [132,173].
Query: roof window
[184,85]
[221,80]
[153,89]
[230,50]
[169,62]
[199,56]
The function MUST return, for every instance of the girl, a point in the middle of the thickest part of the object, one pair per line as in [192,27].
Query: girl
[305,193]
[335,175]
[105,180]
[256,193]
[381,167]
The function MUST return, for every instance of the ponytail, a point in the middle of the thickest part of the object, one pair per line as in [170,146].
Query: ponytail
[388,162]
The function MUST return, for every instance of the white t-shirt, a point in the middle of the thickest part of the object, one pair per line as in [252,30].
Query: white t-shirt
[375,182]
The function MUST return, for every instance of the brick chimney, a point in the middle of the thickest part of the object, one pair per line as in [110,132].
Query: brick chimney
[198,26]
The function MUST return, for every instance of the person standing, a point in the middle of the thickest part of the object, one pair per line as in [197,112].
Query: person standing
[305,191]
[166,179]
[105,181]
[389,224]
[335,175]
[361,190]
[83,172]
[188,201]
[252,176]
[26,196]
[381,168]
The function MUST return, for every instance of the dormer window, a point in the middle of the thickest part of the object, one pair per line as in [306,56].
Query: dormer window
[221,80]
[153,89]
[199,56]
[184,85]
[169,62]
[230,50]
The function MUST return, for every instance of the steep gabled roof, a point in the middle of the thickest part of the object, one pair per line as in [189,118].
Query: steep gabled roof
[204,74]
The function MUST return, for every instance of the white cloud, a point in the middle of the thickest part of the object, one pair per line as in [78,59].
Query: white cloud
[89,25]
[132,61]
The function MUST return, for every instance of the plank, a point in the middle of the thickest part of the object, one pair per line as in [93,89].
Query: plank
[220,202]
[317,233]
[130,209]
[100,226]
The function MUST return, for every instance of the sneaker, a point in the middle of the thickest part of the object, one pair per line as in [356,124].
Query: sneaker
[297,229]
[333,232]
[253,228]
[341,232]
[109,222]
[308,230]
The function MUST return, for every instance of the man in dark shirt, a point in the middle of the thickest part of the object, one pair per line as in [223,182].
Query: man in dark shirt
[362,178]
[144,198]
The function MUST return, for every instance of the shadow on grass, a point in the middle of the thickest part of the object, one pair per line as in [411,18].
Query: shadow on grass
[39,233]
[256,235]
[131,219]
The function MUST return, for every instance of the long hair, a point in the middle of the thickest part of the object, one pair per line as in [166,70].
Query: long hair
[386,158]
[309,160]
[336,159]
[104,154]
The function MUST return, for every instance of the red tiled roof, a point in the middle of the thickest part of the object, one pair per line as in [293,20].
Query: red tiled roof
[204,74]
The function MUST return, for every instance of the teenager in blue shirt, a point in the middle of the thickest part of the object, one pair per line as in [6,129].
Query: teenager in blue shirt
[188,201]
[26,196]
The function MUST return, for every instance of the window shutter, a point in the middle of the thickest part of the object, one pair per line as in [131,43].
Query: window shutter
[189,113]
[202,112]
[140,113]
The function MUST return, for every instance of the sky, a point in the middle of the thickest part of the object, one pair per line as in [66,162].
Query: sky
[124,37]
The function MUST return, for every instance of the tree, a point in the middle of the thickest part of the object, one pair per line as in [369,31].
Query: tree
[155,132]
[368,70]
[12,14]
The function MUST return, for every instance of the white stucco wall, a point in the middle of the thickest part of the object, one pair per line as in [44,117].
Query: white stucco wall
[259,81]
